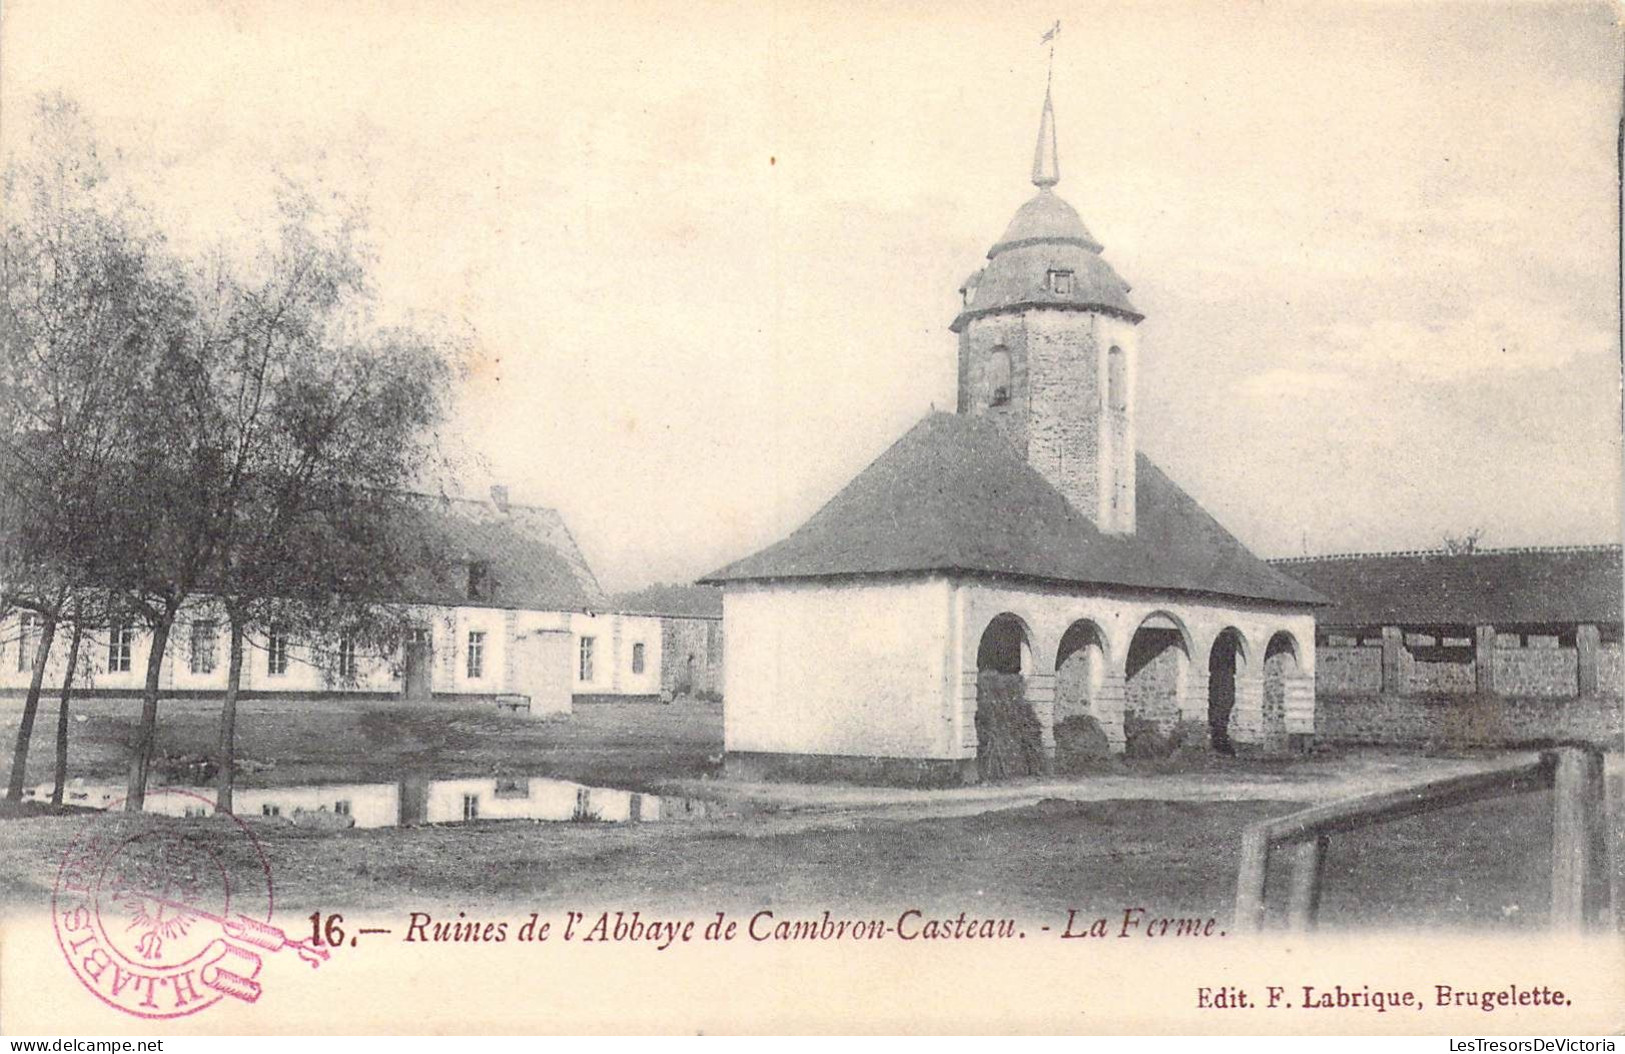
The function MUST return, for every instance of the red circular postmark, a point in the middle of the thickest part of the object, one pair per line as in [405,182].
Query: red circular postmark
[161,918]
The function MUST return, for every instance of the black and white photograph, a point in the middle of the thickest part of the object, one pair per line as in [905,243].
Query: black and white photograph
[541,517]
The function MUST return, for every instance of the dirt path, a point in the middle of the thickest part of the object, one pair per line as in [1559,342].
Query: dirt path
[1309,782]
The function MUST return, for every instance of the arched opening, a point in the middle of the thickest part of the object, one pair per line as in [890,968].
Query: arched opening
[1009,741]
[1117,380]
[1280,665]
[1080,666]
[998,377]
[1229,652]
[1154,678]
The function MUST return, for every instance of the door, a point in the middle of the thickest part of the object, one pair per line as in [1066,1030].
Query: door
[417,680]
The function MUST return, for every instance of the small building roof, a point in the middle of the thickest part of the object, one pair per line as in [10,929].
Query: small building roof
[1498,586]
[671,600]
[953,495]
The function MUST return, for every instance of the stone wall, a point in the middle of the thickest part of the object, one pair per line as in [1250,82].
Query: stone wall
[1548,671]
[1153,682]
[1458,721]
[1346,668]
[691,657]
[1056,413]
[1440,670]
[1542,669]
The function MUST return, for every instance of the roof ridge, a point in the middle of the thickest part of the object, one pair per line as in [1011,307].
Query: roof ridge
[1596,547]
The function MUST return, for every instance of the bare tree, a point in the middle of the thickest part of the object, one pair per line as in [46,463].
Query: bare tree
[1461,544]
[327,420]
[78,302]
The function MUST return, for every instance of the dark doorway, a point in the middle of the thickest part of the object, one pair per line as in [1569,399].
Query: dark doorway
[417,678]
[1009,741]
[1221,689]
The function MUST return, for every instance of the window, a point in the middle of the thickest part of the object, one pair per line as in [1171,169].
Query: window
[118,649]
[276,652]
[346,656]
[637,658]
[342,807]
[1060,283]
[998,377]
[512,789]
[479,579]
[586,658]
[476,654]
[471,806]
[202,646]
[1117,380]
[27,635]
[270,810]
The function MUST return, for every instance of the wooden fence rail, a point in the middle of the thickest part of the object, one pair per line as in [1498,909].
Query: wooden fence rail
[1583,880]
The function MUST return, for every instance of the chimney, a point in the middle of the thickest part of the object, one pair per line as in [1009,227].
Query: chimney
[499,497]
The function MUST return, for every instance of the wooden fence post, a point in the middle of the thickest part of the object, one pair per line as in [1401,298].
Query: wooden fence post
[1250,876]
[1587,640]
[1579,885]
[1308,869]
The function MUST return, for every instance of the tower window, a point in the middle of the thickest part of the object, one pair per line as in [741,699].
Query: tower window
[1060,283]
[1117,380]
[998,372]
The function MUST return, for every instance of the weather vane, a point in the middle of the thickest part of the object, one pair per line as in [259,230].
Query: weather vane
[1049,38]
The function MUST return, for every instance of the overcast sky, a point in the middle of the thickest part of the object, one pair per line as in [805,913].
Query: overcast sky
[709,253]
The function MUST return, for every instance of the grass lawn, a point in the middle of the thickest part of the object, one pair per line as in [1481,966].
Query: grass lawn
[1460,869]
[630,745]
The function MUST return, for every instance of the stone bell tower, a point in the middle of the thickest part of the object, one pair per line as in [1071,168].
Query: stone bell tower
[1047,349]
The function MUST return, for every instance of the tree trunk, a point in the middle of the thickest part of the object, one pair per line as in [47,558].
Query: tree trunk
[62,715]
[228,721]
[135,797]
[25,731]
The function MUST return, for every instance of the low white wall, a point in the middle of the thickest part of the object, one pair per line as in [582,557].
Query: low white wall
[845,669]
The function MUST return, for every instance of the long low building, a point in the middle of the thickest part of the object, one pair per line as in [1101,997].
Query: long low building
[1480,648]
[519,614]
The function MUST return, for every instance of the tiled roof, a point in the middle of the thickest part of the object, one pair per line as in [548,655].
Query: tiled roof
[672,600]
[1507,587]
[954,495]
[531,560]
[1046,235]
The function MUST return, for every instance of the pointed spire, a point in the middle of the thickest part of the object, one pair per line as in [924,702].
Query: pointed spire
[1046,159]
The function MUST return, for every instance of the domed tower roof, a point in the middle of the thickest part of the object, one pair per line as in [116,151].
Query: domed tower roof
[1045,238]
[1045,218]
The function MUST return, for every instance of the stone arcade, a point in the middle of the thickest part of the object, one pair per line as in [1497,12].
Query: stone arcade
[1020,541]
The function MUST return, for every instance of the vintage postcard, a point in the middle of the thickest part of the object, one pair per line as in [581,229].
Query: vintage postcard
[810,518]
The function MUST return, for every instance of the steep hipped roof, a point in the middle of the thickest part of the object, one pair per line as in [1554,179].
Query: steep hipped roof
[530,559]
[673,600]
[1510,586]
[954,495]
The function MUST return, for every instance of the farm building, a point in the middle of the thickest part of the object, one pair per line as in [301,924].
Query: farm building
[1489,647]
[520,614]
[1014,584]
[690,636]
